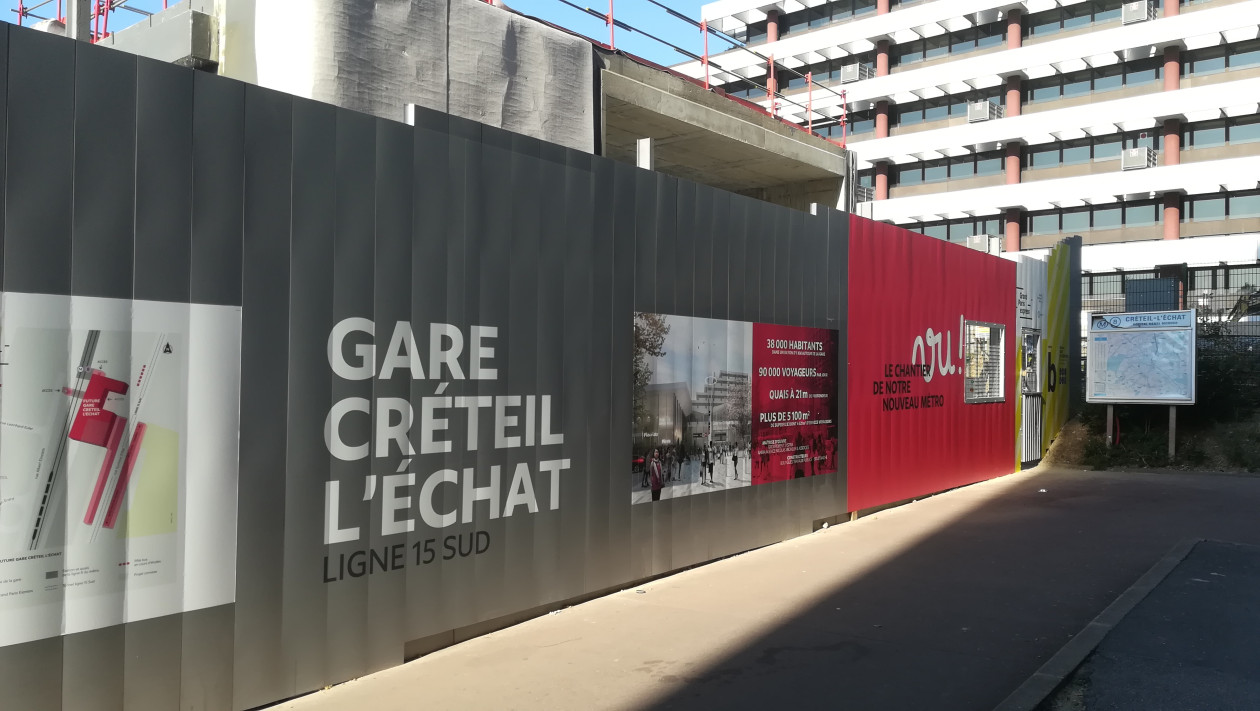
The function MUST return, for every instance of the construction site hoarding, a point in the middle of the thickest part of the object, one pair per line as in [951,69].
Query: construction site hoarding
[1061,342]
[413,388]
[931,365]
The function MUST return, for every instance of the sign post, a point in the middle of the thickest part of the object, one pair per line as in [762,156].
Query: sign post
[1172,432]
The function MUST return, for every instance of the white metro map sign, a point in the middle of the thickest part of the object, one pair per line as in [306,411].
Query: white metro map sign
[1142,358]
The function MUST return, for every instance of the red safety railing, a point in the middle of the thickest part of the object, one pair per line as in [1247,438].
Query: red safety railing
[101,10]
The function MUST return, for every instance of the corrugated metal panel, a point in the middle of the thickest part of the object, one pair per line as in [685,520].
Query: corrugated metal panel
[305,215]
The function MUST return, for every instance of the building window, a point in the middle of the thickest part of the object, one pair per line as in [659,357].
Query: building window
[1133,73]
[935,171]
[1205,134]
[989,163]
[1244,204]
[1040,24]
[1204,61]
[1043,156]
[1045,223]
[960,230]
[939,230]
[1245,129]
[1107,147]
[910,174]
[1221,207]
[1106,217]
[1140,214]
[1208,207]
[756,33]
[1245,54]
[1075,220]
[1076,152]
[984,366]
[1134,213]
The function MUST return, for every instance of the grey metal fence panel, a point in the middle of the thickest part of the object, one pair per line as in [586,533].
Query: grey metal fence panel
[260,648]
[164,174]
[306,215]
[305,620]
[40,146]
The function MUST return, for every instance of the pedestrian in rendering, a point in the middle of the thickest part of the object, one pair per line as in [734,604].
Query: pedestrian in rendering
[735,462]
[654,475]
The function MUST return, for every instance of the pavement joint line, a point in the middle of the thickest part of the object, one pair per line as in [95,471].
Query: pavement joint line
[1043,682]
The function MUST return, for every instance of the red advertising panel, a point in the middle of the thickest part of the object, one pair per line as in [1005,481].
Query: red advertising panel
[726,404]
[794,402]
[931,365]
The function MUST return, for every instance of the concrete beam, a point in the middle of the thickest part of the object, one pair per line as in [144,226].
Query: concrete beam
[729,119]
[182,34]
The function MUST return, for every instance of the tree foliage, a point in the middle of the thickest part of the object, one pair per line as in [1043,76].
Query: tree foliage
[649,342]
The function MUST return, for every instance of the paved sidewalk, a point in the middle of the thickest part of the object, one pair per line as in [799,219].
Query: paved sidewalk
[947,603]
[1192,643]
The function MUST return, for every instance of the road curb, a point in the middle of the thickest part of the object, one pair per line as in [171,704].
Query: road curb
[1038,687]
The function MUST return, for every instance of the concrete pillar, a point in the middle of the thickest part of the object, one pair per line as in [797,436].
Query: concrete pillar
[1014,29]
[1012,162]
[772,83]
[1171,8]
[772,26]
[1014,95]
[881,58]
[1013,226]
[882,7]
[1172,68]
[881,118]
[881,181]
[1172,141]
[1172,216]
[643,155]
[79,20]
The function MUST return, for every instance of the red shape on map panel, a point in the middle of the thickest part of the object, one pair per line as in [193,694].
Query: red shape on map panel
[107,465]
[93,423]
[120,491]
[795,410]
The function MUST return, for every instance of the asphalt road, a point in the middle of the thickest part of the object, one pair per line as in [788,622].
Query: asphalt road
[1193,644]
[946,603]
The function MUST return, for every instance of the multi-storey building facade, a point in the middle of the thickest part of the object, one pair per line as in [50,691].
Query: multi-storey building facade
[1118,121]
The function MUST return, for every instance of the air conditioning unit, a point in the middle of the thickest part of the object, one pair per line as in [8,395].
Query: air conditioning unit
[989,244]
[983,111]
[1137,158]
[1140,11]
[855,72]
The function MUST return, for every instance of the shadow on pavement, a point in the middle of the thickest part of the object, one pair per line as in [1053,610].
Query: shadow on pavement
[960,619]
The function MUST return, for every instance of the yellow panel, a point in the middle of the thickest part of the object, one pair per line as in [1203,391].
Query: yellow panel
[154,500]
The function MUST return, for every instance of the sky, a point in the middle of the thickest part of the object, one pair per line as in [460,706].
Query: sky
[697,348]
[637,13]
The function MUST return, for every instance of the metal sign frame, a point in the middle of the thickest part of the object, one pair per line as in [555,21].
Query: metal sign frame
[1107,323]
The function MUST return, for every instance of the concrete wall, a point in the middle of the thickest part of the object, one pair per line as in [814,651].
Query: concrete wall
[463,57]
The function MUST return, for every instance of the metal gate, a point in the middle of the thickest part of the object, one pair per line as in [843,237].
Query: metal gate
[1030,399]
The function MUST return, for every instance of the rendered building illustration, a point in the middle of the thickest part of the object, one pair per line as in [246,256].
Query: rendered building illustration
[1028,121]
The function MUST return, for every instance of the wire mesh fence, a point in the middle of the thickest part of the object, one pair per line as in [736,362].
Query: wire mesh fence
[1226,298]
